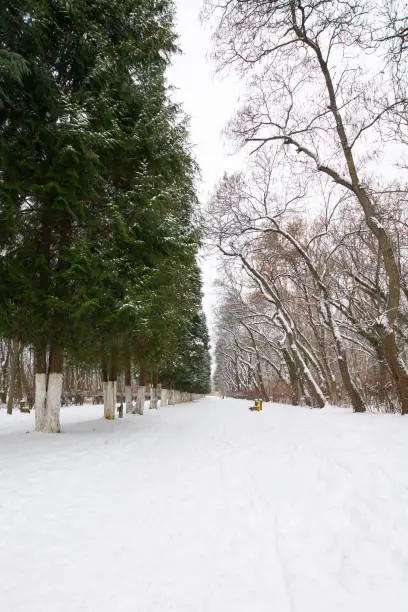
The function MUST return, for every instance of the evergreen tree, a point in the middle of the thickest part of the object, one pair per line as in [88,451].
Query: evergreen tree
[86,68]
[96,186]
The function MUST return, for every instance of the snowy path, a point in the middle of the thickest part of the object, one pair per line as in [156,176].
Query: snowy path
[205,507]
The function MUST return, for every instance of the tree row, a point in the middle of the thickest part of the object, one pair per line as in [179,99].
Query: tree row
[98,239]
[314,232]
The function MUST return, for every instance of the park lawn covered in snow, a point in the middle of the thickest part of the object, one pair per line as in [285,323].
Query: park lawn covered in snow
[205,507]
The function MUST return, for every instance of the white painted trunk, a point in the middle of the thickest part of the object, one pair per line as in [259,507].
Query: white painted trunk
[109,399]
[51,423]
[105,395]
[113,390]
[48,402]
[172,400]
[153,398]
[164,398]
[128,399]
[40,397]
[140,400]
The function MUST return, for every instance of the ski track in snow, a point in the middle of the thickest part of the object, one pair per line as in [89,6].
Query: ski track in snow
[205,507]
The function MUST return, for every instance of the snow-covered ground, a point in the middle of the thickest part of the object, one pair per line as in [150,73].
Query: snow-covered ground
[205,507]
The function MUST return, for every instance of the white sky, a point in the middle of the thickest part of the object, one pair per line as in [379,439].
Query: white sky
[210,101]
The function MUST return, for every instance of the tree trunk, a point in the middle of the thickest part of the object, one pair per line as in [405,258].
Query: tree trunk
[54,390]
[109,388]
[48,389]
[316,393]
[287,323]
[128,389]
[383,377]
[259,379]
[153,393]
[14,358]
[40,390]
[40,386]
[109,391]
[319,333]
[128,399]
[397,368]
[153,398]
[53,403]
[40,399]
[141,392]
[331,381]
[164,401]
[140,400]
[105,386]
[109,399]
[386,326]
[350,386]
[19,393]
[293,377]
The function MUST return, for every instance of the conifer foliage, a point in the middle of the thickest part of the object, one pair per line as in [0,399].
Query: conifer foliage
[98,244]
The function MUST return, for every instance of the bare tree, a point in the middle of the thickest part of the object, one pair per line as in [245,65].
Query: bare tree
[315,92]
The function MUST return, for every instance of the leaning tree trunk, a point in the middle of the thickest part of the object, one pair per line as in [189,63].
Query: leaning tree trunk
[260,381]
[350,386]
[293,377]
[396,366]
[386,324]
[319,334]
[316,394]
[287,323]
[383,377]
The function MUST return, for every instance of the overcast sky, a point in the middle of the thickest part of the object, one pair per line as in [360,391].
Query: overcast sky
[209,100]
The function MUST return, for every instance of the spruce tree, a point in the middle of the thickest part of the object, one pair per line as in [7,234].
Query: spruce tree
[71,111]
[97,188]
